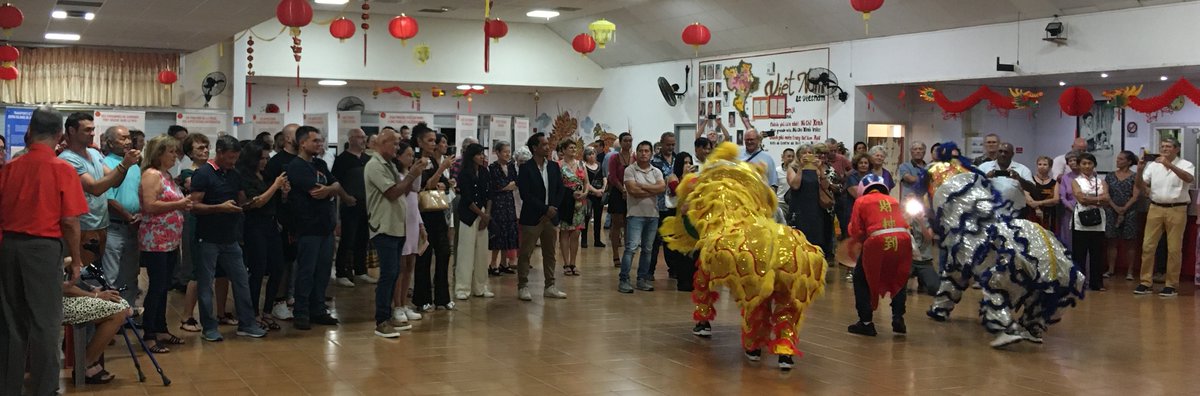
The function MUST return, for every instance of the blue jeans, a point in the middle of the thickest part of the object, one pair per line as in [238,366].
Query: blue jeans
[314,261]
[390,251]
[639,233]
[229,257]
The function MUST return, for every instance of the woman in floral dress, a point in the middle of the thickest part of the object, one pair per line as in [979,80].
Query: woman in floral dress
[573,211]
[160,235]
[502,231]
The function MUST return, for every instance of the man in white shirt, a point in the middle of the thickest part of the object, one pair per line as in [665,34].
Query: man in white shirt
[1003,164]
[1060,162]
[755,153]
[1167,178]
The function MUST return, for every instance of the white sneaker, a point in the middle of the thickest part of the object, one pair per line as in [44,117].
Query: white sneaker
[524,295]
[399,314]
[486,294]
[411,314]
[281,311]
[553,292]
[345,282]
[462,295]
[1005,339]
[367,278]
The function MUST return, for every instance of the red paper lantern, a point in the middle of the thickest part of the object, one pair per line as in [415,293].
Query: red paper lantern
[10,17]
[9,54]
[696,35]
[294,14]
[866,7]
[9,73]
[403,27]
[584,44]
[342,29]
[1076,101]
[495,29]
[167,77]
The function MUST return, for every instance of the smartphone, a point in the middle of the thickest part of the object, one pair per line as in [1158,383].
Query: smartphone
[1149,157]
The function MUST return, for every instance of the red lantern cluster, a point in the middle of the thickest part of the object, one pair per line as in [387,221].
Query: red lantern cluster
[341,29]
[1075,101]
[584,44]
[495,29]
[294,14]
[696,35]
[403,27]
[366,15]
[10,18]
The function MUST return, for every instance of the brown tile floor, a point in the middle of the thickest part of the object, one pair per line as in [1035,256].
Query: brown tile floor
[601,342]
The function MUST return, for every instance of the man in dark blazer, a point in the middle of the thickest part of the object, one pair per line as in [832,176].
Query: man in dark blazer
[540,183]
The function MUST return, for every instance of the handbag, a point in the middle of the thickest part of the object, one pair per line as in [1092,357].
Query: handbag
[826,199]
[433,201]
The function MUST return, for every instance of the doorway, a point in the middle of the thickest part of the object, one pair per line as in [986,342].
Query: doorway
[891,138]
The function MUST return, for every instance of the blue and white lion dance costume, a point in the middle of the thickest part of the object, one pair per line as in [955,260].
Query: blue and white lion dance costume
[1025,273]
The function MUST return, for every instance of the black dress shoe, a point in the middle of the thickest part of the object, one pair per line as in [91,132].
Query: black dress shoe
[325,320]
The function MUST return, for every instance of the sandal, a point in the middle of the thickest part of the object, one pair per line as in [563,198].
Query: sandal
[616,262]
[100,378]
[228,319]
[171,339]
[268,323]
[190,325]
[158,348]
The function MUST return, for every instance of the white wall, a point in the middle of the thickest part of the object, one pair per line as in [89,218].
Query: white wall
[1056,133]
[197,65]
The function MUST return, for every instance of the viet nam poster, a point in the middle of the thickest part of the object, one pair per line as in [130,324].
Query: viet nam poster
[208,124]
[266,122]
[397,119]
[103,119]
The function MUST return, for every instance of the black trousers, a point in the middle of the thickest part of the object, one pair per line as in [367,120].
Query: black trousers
[352,250]
[263,255]
[662,216]
[596,217]
[1088,254]
[160,266]
[862,297]
[437,292]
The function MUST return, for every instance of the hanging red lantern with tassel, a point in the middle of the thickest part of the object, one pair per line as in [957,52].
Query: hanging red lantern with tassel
[9,54]
[403,27]
[696,35]
[866,7]
[9,73]
[10,18]
[294,14]
[584,44]
[167,77]
[341,29]
[495,29]
[1076,101]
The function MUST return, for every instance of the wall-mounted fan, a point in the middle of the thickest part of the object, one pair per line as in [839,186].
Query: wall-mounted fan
[670,92]
[213,85]
[822,81]
[351,103]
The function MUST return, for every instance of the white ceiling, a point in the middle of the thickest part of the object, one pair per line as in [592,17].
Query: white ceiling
[1115,79]
[647,30]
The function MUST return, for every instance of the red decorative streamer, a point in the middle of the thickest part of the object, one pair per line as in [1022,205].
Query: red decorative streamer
[995,99]
[1183,87]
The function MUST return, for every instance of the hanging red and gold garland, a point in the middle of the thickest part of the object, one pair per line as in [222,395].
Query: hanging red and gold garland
[1181,88]
[416,95]
[1016,99]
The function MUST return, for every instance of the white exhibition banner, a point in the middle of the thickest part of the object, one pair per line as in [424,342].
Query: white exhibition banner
[104,119]
[397,120]
[266,122]
[772,93]
[464,126]
[346,121]
[520,131]
[321,122]
[207,124]
[499,129]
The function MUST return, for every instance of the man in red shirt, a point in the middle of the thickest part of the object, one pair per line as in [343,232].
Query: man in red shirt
[41,200]
[877,225]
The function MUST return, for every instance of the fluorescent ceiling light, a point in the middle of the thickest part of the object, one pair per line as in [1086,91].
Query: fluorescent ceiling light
[332,1]
[1103,75]
[332,83]
[58,14]
[542,14]
[1163,78]
[1062,83]
[463,87]
[477,87]
[62,36]
[89,16]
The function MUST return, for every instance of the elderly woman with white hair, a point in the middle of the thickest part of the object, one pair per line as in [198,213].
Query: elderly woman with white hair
[878,155]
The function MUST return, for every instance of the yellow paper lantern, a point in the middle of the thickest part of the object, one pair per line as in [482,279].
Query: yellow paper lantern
[603,31]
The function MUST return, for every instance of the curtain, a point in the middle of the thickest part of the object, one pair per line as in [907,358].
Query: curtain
[90,76]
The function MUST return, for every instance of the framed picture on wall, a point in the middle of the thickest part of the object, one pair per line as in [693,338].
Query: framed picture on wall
[1102,128]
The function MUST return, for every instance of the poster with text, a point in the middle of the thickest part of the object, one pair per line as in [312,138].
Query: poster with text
[397,119]
[500,129]
[464,126]
[520,131]
[784,96]
[321,122]
[16,124]
[266,122]
[208,124]
[346,121]
[110,118]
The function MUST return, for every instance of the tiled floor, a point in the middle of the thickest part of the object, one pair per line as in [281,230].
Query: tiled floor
[601,342]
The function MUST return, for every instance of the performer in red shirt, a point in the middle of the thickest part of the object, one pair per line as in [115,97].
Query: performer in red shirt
[877,225]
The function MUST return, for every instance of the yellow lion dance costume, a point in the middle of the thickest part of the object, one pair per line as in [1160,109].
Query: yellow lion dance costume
[727,213]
